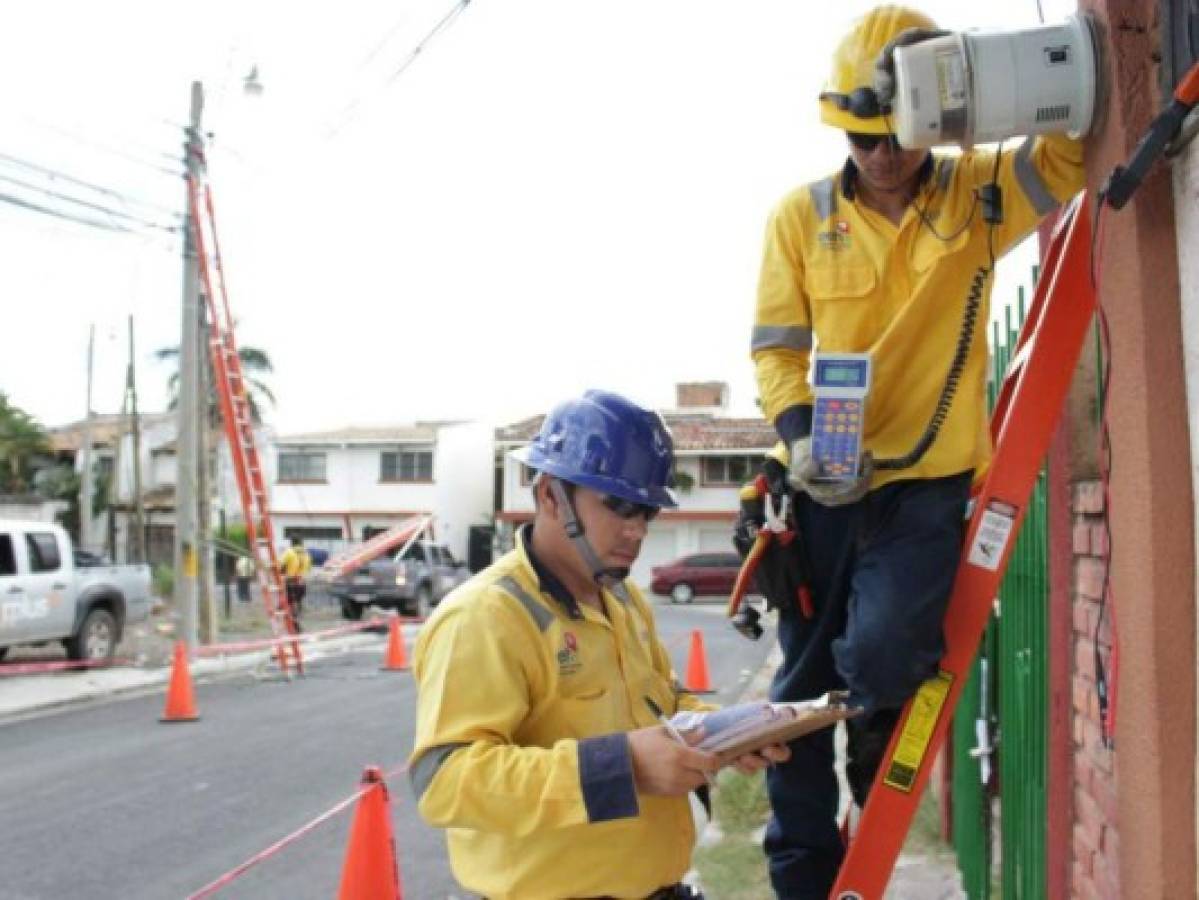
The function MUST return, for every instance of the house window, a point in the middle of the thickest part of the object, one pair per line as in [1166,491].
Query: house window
[527,475]
[736,470]
[406,465]
[313,533]
[301,466]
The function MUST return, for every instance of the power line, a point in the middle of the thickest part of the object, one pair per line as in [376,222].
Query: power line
[391,32]
[349,112]
[88,205]
[100,189]
[87,141]
[416,51]
[58,214]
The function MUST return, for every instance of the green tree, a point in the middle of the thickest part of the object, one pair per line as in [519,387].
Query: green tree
[22,441]
[60,481]
[254,363]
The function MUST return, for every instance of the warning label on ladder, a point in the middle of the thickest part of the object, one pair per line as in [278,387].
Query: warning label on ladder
[994,531]
[917,732]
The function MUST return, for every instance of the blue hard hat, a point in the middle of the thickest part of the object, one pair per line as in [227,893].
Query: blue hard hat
[608,444]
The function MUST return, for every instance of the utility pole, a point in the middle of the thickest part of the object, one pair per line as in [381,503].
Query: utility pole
[85,452]
[139,515]
[187,533]
[208,625]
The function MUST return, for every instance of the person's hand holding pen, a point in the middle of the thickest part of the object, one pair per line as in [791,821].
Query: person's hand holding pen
[746,764]
[664,763]
[694,737]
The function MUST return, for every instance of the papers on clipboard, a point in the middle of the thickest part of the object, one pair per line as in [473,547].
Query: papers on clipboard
[736,730]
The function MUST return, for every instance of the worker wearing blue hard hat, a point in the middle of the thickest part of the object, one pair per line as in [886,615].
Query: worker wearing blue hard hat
[541,681]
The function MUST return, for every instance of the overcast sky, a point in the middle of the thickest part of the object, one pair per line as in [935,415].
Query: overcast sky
[554,195]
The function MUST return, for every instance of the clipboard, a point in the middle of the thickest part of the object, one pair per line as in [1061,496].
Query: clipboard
[777,723]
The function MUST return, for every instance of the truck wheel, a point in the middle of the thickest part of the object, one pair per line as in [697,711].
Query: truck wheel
[424,601]
[350,610]
[96,637]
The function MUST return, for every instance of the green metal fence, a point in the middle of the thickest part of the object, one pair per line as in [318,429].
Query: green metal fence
[1008,689]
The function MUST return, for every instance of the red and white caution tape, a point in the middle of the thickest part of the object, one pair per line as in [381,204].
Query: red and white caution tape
[37,668]
[212,887]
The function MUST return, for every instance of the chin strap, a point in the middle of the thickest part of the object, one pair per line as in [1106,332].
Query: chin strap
[604,577]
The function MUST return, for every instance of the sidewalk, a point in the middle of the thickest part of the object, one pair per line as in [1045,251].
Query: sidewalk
[148,646]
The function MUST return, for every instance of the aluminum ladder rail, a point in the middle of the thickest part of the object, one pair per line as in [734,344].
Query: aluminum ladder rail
[1022,425]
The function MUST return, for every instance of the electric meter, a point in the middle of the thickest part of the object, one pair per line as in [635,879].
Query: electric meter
[976,87]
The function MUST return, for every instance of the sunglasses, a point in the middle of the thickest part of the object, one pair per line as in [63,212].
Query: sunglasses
[867,142]
[627,509]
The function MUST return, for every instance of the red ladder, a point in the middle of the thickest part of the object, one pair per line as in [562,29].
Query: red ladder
[1022,426]
[239,426]
[405,533]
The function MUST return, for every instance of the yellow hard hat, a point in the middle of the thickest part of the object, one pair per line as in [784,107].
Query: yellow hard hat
[848,101]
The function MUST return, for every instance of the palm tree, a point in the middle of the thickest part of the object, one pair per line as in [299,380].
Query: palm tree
[253,362]
[21,439]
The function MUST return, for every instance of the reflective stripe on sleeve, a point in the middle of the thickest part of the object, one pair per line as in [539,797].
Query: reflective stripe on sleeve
[824,197]
[422,772]
[781,337]
[606,776]
[540,614]
[944,173]
[1031,182]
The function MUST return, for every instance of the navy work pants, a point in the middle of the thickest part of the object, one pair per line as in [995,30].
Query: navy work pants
[881,571]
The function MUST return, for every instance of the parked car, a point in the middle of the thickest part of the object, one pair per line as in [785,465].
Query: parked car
[696,575]
[411,581]
[46,596]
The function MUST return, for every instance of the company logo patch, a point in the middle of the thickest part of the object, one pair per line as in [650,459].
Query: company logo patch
[835,240]
[568,656]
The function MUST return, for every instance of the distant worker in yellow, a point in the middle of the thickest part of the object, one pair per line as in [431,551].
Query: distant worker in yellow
[890,259]
[295,564]
[537,743]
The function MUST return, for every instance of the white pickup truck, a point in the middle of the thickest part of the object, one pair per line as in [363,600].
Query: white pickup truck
[45,596]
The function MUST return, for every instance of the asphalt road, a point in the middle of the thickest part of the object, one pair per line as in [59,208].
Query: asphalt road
[102,800]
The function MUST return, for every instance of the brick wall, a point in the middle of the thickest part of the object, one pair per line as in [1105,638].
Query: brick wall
[1094,871]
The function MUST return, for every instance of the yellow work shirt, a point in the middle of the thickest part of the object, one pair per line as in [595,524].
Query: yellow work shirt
[524,700]
[295,562]
[843,276]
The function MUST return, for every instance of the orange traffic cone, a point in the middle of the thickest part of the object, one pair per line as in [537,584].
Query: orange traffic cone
[370,871]
[396,660]
[181,703]
[697,666]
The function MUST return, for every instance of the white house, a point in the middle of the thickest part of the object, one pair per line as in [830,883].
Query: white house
[335,487]
[715,455]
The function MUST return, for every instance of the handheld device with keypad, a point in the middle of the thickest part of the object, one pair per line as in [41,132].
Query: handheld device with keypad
[841,382]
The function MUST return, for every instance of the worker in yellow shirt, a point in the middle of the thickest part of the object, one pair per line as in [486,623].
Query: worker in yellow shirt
[537,743]
[891,257]
[295,564]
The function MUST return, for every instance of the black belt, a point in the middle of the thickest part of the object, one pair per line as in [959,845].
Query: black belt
[674,892]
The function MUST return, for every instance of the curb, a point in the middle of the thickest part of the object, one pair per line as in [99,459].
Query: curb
[35,694]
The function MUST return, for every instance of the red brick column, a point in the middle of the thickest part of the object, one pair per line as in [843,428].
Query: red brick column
[1152,509]
[1095,871]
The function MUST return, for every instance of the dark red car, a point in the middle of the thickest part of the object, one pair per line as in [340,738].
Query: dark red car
[696,575]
